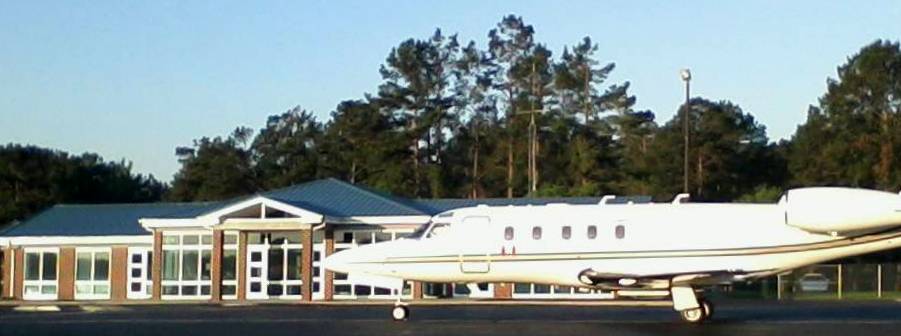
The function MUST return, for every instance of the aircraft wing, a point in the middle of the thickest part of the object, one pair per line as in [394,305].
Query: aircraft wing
[661,281]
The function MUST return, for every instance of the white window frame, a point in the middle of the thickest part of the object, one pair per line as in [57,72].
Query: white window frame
[318,280]
[227,247]
[146,269]
[284,282]
[395,234]
[40,283]
[556,292]
[181,248]
[93,283]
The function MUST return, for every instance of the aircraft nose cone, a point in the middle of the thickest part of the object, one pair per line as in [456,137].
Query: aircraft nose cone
[338,262]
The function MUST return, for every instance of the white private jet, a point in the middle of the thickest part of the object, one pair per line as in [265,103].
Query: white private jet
[633,250]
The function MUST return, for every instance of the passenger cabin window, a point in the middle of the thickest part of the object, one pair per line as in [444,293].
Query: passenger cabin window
[536,232]
[592,231]
[567,232]
[620,232]
[508,233]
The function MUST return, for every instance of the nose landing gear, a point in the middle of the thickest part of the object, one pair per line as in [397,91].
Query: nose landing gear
[691,308]
[699,314]
[400,312]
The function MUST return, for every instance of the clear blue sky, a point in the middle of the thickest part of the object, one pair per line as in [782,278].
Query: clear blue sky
[133,80]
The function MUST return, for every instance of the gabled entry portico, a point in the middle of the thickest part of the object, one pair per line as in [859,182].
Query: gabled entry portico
[258,248]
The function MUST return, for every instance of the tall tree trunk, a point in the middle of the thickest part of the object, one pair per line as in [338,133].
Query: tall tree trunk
[353,172]
[587,95]
[475,169]
[886,152]
[415,158]
[535,163]
[700,174]
[510,171]
[510,165]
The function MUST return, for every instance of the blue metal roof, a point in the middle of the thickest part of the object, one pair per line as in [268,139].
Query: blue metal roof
[96,219]
[436,206]
[336,198]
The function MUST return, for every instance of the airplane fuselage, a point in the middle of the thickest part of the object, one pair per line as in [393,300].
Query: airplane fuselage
[670,246]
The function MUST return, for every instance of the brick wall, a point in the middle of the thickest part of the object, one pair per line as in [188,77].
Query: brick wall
[7,273]
[66,275]
[119,273]
[19,276]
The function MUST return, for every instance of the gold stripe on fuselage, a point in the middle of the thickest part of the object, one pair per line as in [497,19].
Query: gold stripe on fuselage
[838,243]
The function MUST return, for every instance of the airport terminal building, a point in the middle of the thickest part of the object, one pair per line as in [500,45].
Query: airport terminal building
[266,246]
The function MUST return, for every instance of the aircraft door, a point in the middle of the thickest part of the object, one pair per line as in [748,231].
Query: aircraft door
[475,255]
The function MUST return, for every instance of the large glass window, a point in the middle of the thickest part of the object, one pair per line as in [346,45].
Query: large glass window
[230,265]
[186,265]
[92,267]
[40,274]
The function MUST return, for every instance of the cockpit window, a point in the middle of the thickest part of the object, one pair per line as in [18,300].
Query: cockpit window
[437,230]
[429,230]
[420,231]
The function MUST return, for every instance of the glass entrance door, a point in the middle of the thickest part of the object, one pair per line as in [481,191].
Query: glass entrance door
[274,265]
[256,264]
[140,283]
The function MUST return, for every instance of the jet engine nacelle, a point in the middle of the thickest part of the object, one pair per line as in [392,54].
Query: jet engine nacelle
[836,210]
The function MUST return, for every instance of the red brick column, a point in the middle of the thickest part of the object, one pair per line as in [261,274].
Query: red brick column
[416,288]
[156,269]
[66,275]
[119,273]
[19,276]
[306,264]
[7,276]
[242,266]
[216,267]
[503,290]
[328,281]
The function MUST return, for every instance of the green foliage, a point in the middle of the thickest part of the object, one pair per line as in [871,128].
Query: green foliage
[761,194]
[215,169]
[728,153]
[33,178]
[454,120]
[851,139]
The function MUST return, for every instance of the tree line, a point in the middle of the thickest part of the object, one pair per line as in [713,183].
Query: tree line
[33,178]
[512,119]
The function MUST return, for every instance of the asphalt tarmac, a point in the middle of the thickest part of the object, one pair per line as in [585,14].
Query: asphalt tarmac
[810,318]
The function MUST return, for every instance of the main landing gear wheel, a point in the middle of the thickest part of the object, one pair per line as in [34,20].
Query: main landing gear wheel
[699,314]
[400,313]
[708,309]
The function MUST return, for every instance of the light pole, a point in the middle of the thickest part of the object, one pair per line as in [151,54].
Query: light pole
[686,76]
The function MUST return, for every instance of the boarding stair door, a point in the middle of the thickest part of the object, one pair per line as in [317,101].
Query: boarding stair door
[475,255]
[256,271]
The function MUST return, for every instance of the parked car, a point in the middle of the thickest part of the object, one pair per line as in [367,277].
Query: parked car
[813,282]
